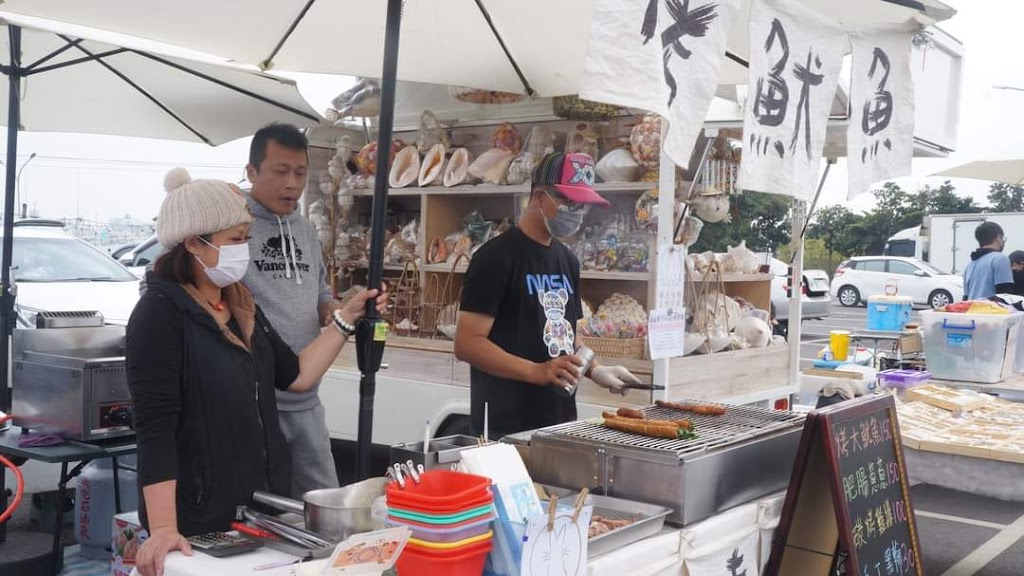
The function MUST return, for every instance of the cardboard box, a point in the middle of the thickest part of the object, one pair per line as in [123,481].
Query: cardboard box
[128,536]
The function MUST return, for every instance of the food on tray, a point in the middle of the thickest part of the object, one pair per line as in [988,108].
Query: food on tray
[492,166]
[432,166]
[651,428]
[406,168]
[600,525]
[638,415]
[630,413]
[695,408]
[457,170]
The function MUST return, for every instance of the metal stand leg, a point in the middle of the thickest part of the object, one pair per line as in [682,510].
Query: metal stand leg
[62,488]
[117,485]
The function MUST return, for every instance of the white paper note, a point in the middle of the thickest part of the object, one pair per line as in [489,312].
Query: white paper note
[561,551]
[665,332]
[671,276]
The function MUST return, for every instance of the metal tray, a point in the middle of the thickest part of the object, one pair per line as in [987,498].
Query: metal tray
[650,519]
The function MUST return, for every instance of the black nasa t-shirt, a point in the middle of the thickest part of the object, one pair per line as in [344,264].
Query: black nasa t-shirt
[532,292]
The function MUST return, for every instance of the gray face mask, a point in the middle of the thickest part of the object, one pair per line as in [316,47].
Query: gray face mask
[566,222]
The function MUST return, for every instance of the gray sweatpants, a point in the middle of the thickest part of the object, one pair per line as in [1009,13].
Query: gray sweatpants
[310,445]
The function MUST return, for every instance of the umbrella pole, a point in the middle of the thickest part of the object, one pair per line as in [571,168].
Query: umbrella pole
[371,331]
[6,290]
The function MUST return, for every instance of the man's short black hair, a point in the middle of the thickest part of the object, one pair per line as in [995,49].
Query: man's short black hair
[987,233]
[284,134]
[1017,257]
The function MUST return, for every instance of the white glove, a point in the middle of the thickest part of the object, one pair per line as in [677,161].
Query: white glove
[614,378]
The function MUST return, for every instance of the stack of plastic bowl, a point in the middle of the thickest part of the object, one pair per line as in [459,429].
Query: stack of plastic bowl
[450,515]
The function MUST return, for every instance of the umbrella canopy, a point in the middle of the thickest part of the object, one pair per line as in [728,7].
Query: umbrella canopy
[1008,171]
[76,83]
[521,46]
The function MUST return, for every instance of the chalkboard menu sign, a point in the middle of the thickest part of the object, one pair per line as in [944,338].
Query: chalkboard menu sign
[848,509]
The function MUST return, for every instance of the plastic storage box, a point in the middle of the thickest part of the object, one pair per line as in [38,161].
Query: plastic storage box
[903,379]
[890,313]
[970,347]
[446,534]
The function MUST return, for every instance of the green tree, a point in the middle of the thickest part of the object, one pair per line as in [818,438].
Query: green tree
[943,200]
[1006,197]
[762,220]
[835,226]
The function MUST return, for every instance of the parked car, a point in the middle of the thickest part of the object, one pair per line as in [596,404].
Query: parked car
[816,303]
[142,256]
[123,249]
[56,272]
[859,278]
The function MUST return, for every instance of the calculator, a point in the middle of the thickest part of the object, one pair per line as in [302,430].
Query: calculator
[221,544]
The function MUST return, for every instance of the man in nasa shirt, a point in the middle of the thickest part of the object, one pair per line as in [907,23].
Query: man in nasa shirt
[520,305]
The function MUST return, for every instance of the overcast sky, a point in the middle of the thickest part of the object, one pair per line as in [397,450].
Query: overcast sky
[98,177]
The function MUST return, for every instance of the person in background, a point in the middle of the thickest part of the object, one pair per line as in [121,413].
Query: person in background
[989,271]
[289,281]
[520,304]
[203,363]
[1017,267]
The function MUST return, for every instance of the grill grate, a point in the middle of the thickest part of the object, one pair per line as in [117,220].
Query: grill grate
[738,424]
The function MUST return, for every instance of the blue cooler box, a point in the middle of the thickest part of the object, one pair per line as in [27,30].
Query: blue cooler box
[890,313]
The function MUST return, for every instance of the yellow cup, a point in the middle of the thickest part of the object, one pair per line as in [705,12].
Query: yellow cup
[839,342]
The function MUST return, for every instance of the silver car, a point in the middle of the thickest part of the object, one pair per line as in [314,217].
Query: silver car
[815,303]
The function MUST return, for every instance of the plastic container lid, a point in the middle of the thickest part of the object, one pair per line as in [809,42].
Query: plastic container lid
[440,487]
[887,299]
[447,546]
[447,519]
[485,497]
[454,533]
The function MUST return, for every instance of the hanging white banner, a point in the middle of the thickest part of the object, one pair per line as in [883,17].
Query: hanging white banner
[694,39]
[663,56]
[795,59]
[880,138]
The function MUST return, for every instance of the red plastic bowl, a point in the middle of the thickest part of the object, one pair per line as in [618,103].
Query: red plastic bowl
[409,505]
[466,562]
[440,488]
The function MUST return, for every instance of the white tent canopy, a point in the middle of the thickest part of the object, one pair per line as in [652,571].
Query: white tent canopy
[1007,171]
[127,91]
[443,41]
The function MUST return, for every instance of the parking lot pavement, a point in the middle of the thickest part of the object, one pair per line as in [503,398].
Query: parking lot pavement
[815,333]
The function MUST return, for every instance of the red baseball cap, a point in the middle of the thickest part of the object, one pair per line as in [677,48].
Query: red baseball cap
[572,175]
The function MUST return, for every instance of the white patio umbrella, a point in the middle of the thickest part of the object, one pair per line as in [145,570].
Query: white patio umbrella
[532,46]
[1008,171]
[62,79]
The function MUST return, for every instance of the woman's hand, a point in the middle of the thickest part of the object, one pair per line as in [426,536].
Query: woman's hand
[150,560]
[355,308]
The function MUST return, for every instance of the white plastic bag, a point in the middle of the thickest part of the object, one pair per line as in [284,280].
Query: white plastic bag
[618,166]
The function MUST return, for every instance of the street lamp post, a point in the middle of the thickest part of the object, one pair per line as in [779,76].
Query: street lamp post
[21,206]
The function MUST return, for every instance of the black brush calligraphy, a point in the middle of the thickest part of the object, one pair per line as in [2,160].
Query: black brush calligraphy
[772,99]
[878,110]
[686,23]
[808,78]
[734,563]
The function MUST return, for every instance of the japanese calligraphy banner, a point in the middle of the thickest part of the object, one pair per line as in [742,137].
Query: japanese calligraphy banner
[796,56]
[663,56]
[880,138]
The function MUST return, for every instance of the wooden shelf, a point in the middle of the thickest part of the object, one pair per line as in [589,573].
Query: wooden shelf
[737,278]
[493,190]
[586,274]
[389,267]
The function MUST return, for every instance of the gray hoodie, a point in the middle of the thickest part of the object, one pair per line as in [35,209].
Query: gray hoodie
[288,279]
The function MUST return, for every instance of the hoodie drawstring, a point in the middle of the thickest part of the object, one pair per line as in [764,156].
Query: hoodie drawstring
[284,248]
[295,261]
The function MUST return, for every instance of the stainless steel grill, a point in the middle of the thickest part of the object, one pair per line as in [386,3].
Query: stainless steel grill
[737,425]
[736,457]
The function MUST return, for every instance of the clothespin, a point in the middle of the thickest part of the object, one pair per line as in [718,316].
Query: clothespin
[581,500]
[552,512]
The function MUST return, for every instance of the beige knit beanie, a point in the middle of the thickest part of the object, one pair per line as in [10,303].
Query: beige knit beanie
[198,207]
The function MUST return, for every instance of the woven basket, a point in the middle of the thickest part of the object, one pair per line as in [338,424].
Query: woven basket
[633,348]
[576,108]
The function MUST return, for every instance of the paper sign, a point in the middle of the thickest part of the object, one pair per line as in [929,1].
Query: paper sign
[671,276]
[665,333]
[369,553]
[561,551]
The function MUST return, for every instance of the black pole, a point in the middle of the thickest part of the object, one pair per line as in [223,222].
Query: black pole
[6,290]
[365,338]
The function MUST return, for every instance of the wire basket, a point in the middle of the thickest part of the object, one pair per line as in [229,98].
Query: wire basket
[632,348]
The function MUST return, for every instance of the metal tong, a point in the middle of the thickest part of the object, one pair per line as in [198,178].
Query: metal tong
[299,536]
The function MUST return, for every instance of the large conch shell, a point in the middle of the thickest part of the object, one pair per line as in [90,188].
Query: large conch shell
[753,332]
[432,168]
[492,166]
[360,101]
[711,208]
[507,137]
[457,170]
[406,168]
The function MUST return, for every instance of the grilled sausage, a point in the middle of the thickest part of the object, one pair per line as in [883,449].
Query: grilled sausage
[630,413]
[702,409]
[643,427]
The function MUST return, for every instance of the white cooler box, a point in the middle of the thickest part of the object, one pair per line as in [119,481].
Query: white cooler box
[970,347]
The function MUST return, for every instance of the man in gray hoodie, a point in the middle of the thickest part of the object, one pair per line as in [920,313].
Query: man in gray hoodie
[289,281]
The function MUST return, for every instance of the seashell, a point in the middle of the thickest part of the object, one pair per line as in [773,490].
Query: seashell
[437,252]
[753,332]
[432,168]
[457,170]
[506,137]
[492,166]
[691,231]
[366,160]
[645,144]
[711,209]
[406,168]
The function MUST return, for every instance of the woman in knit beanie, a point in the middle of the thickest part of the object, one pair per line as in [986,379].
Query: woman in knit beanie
[203,366]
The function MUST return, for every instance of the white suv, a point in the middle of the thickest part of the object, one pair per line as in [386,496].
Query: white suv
[859,278]
[56,272]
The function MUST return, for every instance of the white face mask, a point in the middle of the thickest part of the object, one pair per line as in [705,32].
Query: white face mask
[232,264]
